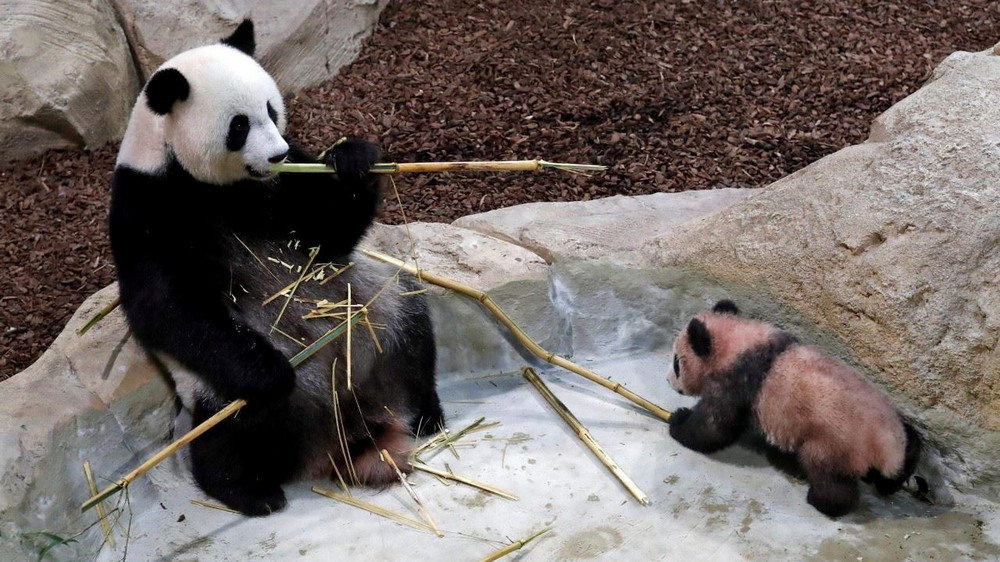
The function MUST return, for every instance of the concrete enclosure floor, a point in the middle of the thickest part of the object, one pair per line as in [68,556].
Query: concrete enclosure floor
[730,506]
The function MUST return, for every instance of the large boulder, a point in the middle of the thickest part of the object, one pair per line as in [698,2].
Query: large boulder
[93,398]
[70,71]
[66,76]
[301,43]
[613,228]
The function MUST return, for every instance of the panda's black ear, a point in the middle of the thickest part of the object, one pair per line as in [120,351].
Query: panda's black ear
[699,338]
[165,88]
[242,38]
[726,306]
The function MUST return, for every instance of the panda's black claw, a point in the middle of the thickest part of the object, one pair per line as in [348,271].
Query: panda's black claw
[353,158]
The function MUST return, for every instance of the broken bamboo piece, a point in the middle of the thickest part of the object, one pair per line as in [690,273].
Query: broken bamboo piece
[372,508]
[522,337]
[584,434]
[421,508]
[463,480]
[165,453]
[101,515]
[99,315]
[513,547]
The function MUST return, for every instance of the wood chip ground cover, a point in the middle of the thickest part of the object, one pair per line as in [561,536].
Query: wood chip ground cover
[672,96]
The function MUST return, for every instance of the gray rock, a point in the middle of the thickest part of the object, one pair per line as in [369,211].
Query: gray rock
[300,43]
[613,228]
[92,398]
[66,76]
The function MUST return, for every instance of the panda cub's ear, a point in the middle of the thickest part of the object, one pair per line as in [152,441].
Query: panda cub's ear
[726,306]
[699,338]
[242,39]
[164,89]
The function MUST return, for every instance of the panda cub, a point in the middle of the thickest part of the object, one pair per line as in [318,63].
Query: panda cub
[754,376]
[203,233]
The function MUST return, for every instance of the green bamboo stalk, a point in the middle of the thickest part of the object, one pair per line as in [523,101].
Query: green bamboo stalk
[418,167]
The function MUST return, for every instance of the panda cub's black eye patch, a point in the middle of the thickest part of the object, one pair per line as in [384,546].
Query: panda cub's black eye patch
[272,113]
[677,366]
[239,128]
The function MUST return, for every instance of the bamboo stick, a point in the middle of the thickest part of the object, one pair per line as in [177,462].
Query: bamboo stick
[462,479]
[418,167]
[326,338]
[215,506]
[101,515]
[421,508]
[349,324]
[521,336]
[165,453]
[513,547]
[372,508]
[99,315]
[584,434]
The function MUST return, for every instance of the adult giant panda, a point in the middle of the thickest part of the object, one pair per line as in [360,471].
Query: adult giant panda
[202,234]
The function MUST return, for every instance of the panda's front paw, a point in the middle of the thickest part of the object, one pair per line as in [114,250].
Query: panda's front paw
[679,416]
[353,158]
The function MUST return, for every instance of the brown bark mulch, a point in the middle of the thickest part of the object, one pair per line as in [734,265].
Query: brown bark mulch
[672,95]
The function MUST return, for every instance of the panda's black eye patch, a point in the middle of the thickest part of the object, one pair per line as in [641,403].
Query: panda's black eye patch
[677,366]
[239,128]
[272,113]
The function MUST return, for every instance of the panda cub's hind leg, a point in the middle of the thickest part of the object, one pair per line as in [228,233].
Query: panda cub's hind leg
[244,460]
[832,494]
[371,469]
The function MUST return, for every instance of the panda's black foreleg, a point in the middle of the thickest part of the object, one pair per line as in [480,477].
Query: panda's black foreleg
[244,460]
[353,192]
[708,427]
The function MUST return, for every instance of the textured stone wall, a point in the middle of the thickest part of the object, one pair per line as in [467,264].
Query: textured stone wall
[70,71]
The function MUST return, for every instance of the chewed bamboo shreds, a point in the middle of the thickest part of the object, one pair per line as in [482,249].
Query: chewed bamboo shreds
[446,438]
[418,167]
[584,434]
[521,336]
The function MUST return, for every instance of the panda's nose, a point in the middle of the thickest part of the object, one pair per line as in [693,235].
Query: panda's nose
[277,157]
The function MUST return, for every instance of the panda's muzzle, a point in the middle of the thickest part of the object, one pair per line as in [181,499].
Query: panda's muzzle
[257,173]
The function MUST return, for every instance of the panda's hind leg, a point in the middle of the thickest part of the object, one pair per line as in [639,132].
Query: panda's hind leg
[832,494]
[370,468]
[244,460]
[429,416]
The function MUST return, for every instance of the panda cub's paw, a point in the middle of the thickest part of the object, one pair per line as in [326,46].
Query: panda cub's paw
[677,419]
[353,158]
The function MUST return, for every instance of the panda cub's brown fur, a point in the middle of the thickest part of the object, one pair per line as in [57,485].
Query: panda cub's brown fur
[753,375]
